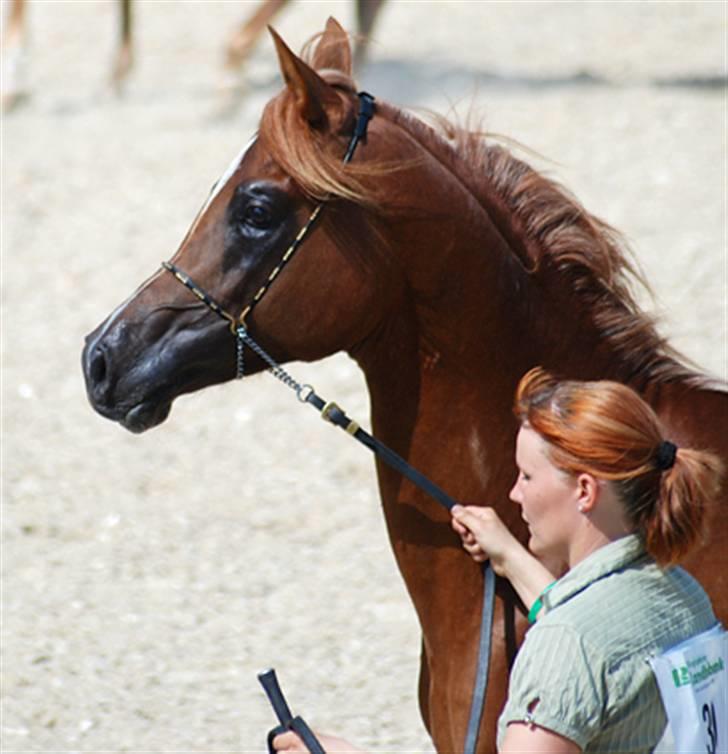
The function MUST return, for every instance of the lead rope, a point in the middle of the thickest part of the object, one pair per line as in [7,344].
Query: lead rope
[331,412]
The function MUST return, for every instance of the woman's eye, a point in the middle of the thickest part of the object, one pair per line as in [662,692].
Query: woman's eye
[257,216]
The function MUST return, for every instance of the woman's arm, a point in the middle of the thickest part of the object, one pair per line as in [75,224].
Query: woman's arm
[485,537]
[521,737]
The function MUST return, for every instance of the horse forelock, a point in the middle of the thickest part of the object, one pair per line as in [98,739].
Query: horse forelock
[302,153]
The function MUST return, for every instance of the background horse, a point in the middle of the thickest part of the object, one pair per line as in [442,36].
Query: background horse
[245,38]
[239,48]
[446,268]
[14,51]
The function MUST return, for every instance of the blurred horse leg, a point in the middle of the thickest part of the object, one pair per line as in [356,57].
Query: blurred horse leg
[124,57]
[246,36]
[366,14]
[13,54]
[244,39]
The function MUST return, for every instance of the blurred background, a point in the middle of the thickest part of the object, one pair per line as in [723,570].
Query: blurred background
[147,579]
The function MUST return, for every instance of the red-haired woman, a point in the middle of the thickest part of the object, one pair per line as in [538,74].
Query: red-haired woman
[611,506]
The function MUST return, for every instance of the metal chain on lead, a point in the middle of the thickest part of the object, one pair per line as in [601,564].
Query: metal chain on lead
[274,367]
[240,350]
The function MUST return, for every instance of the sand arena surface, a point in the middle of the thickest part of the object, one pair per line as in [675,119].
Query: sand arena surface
[146,580]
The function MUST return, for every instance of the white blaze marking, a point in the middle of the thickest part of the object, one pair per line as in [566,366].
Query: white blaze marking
[220,185]
[234,165]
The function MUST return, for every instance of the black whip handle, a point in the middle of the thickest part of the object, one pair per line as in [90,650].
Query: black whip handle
[269,682]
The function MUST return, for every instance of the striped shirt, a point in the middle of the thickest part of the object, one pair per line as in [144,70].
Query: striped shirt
[583,670]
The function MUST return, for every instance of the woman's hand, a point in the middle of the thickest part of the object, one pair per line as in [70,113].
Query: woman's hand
[290,742]
[484,536]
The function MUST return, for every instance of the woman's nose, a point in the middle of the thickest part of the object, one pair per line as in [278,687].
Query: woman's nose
[515,494]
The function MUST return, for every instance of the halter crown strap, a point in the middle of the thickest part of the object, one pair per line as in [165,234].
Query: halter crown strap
[366,113]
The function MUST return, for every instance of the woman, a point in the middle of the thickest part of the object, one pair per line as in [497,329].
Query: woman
[612,505]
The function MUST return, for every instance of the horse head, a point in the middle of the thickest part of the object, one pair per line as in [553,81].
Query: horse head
[164,341]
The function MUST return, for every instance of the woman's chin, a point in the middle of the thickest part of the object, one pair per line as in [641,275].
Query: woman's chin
[536,547]
[533,545]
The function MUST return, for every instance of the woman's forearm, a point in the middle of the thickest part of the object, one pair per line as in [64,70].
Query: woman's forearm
[526,573]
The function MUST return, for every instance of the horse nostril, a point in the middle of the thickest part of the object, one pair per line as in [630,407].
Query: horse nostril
[97,366]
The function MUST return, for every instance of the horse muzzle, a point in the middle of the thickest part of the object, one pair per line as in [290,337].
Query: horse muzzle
[120,395]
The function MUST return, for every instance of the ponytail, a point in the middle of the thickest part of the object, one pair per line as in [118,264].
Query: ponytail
[606,429]
[680,517]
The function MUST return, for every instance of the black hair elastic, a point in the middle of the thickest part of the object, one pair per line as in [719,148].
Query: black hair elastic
[665,457]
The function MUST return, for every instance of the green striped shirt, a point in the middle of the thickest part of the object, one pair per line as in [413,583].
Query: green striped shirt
[583,670]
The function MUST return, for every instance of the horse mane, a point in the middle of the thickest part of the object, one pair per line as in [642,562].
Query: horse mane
[545,225]
[548,228]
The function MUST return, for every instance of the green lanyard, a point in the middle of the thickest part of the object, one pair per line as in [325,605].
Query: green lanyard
[538,603]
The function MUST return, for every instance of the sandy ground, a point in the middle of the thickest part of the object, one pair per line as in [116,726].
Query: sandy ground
[146,580]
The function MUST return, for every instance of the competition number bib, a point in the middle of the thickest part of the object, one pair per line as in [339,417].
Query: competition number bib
[693,682]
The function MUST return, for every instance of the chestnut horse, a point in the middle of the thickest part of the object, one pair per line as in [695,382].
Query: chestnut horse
[446,268]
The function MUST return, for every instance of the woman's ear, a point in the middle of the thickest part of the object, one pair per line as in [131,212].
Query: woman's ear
[587,492]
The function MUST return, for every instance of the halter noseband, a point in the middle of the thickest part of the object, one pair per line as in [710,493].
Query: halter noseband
[237,324]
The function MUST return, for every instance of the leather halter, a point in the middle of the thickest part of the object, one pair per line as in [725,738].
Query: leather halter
[332,413]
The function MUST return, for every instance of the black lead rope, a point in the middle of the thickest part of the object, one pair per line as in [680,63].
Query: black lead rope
[332,413]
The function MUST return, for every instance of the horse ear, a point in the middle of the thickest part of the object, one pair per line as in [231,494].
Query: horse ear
[333,49]
[312,94]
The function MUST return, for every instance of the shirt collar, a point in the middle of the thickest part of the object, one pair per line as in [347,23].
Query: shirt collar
[606,560]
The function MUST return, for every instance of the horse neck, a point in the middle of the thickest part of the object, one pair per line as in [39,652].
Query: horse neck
[481,218]
[469,320]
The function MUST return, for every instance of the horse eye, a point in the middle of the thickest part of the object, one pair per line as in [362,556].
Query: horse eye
[257,216]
